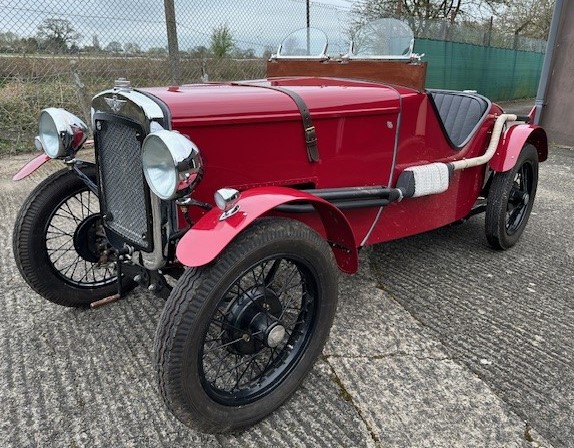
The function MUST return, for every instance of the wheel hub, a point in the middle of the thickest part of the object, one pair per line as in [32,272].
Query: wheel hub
[519,197]
[89,240]
[275,335]
[252,322]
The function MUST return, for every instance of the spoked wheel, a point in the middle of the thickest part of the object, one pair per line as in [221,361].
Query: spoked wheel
[76,244]
[259,331]
[237,337]
[510,200]
[59,242]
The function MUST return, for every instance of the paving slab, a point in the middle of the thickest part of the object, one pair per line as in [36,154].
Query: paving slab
[507,316]
[85,378]
[404,385]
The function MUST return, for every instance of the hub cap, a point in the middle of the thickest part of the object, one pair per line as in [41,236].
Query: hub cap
[252,322]
[275,336]
[89,239]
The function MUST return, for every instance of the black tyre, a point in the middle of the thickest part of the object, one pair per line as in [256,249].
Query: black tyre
[237,337]
[58,242]
[510,200]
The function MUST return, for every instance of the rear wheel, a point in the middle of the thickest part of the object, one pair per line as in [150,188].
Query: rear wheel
[59,243]
[237,337]
[510,200]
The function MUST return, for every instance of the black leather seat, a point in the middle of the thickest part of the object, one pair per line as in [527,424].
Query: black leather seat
[460,113]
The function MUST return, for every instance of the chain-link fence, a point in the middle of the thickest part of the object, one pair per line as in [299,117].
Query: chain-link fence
[482,34]
[61,53]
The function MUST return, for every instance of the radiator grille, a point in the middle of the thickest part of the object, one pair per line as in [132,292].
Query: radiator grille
[122,182]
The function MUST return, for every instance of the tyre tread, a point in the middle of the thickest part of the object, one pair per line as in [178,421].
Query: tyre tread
[495,216]
[187,300]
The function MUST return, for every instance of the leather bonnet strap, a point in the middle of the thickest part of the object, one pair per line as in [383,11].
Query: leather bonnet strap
[308,128]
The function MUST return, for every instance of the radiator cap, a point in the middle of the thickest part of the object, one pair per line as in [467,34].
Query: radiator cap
[122,84]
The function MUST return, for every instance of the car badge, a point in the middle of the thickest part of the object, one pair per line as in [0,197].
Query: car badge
[115,104]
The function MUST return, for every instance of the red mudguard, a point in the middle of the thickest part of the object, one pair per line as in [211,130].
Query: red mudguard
[31,166]
[512,142]
[209,236]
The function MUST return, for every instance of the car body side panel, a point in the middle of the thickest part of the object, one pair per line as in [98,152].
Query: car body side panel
[253,137]
[417,215]
[422,141]
[208,237]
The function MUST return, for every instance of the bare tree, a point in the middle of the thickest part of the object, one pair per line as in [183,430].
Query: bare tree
[451,10]
[529,18]
[8,41]
[114,47]
[132,48]
[57,34]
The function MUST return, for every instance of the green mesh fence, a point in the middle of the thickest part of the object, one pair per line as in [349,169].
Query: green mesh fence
[497,73]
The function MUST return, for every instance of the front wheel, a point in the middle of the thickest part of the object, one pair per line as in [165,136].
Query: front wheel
[59,243]
[237,337]
[510,200]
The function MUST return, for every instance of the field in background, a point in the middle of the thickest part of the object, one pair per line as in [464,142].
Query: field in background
[37,82]
[29,83]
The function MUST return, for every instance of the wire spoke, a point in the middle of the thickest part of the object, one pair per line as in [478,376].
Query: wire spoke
[236,366]
[60,237]
[60,231]
[227,344]
[74,264]
[272,272]
[72,214]
[240,377]
[60,246]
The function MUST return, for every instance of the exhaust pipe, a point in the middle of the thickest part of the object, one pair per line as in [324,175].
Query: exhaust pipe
[434,178]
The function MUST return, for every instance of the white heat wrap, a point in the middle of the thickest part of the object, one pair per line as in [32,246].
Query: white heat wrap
[430,179]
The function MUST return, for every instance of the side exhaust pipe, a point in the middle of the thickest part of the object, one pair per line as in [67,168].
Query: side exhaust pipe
[434,178]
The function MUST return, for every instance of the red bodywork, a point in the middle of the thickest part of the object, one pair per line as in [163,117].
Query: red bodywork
[212,233]
[31,166]
[512,143]
[367,134]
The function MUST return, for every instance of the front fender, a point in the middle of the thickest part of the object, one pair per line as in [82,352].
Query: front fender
[31,166]
[209,236]
[512,143]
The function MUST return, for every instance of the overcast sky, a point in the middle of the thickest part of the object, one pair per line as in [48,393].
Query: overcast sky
[253,23]
[339,3]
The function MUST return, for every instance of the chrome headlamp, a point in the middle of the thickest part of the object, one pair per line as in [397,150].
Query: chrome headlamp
[60,133]
[171,163]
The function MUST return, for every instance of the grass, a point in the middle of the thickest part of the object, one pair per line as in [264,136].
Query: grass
[29,84]
[20,103]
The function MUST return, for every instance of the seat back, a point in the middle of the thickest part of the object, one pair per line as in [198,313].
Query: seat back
[460,113]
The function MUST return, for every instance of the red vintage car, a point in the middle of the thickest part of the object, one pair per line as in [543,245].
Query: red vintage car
[252,196]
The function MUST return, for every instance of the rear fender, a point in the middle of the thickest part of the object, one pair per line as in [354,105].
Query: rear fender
[512,143]
[209,236]
[31,166]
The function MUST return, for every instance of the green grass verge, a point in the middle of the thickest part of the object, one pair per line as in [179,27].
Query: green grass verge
[29,84]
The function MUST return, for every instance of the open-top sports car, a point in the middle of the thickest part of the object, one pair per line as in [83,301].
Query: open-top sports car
[250,196]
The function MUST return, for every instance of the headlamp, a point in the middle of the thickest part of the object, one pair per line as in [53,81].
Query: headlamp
[171,163]
[60,133]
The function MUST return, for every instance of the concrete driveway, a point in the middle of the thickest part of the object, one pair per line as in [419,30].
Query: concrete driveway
[438,342]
